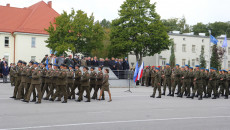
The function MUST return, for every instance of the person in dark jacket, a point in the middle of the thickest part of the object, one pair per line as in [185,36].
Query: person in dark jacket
[94,62]
[69,61]
[88,61]
[5,72]
[106,62]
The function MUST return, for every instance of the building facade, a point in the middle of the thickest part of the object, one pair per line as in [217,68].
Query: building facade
[187,49]
[23,35]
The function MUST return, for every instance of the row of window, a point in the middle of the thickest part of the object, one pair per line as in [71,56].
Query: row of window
[184,39]
[193,62]
[184,48]
[33,42]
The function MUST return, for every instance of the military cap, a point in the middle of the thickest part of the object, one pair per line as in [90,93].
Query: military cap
[44,64]
[202,68]
[190,67]
[187,65]
[46,55]
[24,63]
[55,65]
[62,65]
[220,70]
[207,69]
[71,66]
[177,65]
[19,61]
[182,66]
[31,62]
[92,68]
[197,65]
[167,64]
[214,68]
[224,70]
[36,63]
[50,64]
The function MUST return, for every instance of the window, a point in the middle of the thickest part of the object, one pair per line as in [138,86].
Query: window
[228,64]
[6,41]
[33,58]
[202,40]
[174,47]
[33,42]
[228,50]
[183,48]
[163,62]
[193,62]
[193,48]
[183,39]
[183,61]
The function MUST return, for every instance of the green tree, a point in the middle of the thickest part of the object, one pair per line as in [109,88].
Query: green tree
[200,28]
[105,23]
[215,58]
[184,28]
[75,32]
[172,56]
[202,58]
[138,30]
[171,24]
[219,28]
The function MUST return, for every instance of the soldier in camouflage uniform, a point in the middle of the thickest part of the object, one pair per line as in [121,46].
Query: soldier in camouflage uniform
[99,84]
[205,83]
[198,83]
[176,74]
[223,79]
[143,77]
[77,81]
[212,83]
[84,85]
[186,81]
[93,77]
[12,71]
[17,78]
[167,79]
[48,81]
[53,76]
[42,77]
[157,83]
[23,82]
[69,81]
[147,71]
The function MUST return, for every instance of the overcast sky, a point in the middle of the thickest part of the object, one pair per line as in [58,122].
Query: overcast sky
[194,10]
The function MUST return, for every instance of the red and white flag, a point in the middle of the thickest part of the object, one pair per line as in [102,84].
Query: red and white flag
[140,73]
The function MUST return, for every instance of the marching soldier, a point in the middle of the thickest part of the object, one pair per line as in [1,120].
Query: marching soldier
[17,78]
[48,81]
[93,77]
[99,84]
[12,72]
[177,80]
[35,83]
[212,83]
[77,81]
[42,77]
[197,83]
[23,82]
[205,83]
[147,73]
[186,82]
[69,81]
[84,85]
[53,76]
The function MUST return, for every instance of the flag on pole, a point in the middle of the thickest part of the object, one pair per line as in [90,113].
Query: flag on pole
[47,62]
[140,73]
[213,40]
[225,44]
[136,73]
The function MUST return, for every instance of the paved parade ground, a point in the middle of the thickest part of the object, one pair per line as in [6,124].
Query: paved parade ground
[134,111]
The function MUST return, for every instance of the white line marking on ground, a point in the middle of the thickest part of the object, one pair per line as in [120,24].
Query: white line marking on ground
[116,122]
[98,112]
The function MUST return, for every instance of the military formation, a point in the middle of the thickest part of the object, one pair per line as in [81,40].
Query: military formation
[52,82]
[188,81]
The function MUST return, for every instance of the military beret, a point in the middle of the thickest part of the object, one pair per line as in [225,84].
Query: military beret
[31,62]
[167,64]
[182,66]
[177,65]
[202,68]
[71,66]
[46,55]
[187,65]
[190,67]
[55,65]
[211,68]
[224,70]
[197,65]
[24,63]
[36,63]
[220,70]
[77,65]
[92,68]
[86,67]
[157,68]
[153,66]
[214,68]
[207,69]
[50,64]
[101,67]
[19,61]
[44,64]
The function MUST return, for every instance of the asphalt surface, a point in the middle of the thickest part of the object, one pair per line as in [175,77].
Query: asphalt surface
[127,111]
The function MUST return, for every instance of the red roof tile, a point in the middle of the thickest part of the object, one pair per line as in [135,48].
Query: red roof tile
[33,19]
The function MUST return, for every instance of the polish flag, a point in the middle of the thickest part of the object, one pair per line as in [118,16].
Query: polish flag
[140,73]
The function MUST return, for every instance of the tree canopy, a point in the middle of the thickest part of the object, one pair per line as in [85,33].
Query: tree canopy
[75,32]
[139,29]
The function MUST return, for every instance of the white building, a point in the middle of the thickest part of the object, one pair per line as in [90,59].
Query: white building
[187,48]
[22,34]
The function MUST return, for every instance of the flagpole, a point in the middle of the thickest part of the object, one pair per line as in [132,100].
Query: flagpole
[209,50]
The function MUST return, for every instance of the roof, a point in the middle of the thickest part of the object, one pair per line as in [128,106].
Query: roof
[33,19]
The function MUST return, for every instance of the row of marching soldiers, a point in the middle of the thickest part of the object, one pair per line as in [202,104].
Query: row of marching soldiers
[36,79]
[190,82]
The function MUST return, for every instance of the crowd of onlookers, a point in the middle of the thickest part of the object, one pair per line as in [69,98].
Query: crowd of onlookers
[118,66]
[4,69]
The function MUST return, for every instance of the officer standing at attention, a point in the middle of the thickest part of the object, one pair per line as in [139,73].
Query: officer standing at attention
[167,80]
[84,85]
[157,83]
[77,81]
[198,83]
[177,80]
[35,83]
[99,83]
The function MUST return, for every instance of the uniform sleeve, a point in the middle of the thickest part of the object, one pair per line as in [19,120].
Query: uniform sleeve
[106,79]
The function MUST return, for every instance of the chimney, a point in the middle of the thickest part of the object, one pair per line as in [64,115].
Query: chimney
[50,4]
[8,5]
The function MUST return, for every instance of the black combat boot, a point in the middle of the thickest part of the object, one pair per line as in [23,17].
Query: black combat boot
[169,93]
[200,98]
[159,96]
[196,95]
[226,97]
[153,96]
[214,97]
[163,93]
